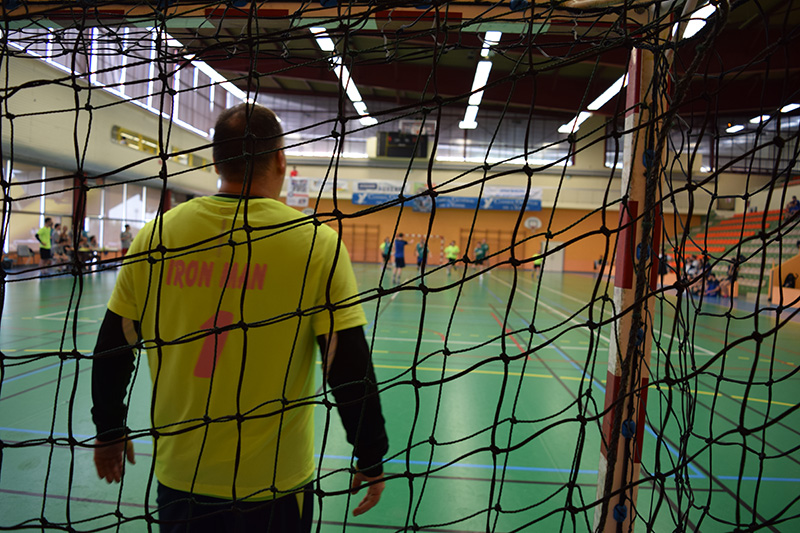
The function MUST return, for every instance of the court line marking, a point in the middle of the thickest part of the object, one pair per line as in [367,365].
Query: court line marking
[547,306]
[403,461]
[468,465]
[585,373]
[60,316]
[437,341]
[521,291]
[763,401]
[32,372]
[62,312]
[554,345]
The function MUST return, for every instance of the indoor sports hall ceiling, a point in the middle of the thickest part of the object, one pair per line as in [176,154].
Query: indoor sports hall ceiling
[405,55]
[401,54]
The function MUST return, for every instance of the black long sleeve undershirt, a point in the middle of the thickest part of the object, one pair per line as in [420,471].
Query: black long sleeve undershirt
[351,378]
[112,367]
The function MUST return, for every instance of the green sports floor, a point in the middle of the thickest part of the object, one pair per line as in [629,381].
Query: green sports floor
[479,442]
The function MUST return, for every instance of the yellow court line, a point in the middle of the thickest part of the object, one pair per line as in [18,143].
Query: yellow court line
[454,371]
[380,351]
[764,401]
[568,378]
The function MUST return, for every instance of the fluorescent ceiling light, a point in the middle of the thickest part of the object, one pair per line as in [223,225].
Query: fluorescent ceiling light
[575,123]
[352,92]
[610,93]
[469,118]
[343,73]
[475,98]
[759,119]
[481,77]
[789,108]
[323,41]
[735,129]
[492,38]
[481,74]
[698,20]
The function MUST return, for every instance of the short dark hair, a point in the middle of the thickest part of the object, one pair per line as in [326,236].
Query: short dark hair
[47,219]
[245,136]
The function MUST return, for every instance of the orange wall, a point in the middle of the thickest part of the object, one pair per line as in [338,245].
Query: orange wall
[567,225]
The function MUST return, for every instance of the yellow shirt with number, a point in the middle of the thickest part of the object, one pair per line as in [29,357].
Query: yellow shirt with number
[230,329]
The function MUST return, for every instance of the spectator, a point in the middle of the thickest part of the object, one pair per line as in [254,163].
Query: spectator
[792,207]
[712,285]
[125,239]
[44,236]
[726,285]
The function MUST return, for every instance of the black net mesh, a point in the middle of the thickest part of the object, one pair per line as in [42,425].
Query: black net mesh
[107,110]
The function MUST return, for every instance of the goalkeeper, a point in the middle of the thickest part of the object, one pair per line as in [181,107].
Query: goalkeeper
[228,295]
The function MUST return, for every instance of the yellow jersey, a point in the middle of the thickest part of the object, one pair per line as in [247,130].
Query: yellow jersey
[229,313]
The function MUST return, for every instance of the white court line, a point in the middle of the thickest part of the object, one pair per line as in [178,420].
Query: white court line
[60,316]
[655,330]
[550,307]
[62,312]
[441,306]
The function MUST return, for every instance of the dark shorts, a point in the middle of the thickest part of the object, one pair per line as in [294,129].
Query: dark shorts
[44,253]
[399,262]
[479,260]
[181,512]
[451,260]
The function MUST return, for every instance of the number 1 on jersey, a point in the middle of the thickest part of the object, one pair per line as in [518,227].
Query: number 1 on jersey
[213,344]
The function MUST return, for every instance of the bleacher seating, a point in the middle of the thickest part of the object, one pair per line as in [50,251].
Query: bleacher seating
[738,232]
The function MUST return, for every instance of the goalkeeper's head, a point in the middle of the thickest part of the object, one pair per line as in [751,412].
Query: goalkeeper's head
[248,151]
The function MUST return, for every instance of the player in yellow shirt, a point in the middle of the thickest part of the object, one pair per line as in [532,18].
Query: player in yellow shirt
[45,243]
[229,295]
[451,254]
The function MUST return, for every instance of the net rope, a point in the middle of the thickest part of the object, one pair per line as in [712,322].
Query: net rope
[720,450]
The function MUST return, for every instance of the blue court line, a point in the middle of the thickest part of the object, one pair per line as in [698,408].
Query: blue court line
[32,372]
[425,463]
[673,451]
[577,367]
[754,478]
